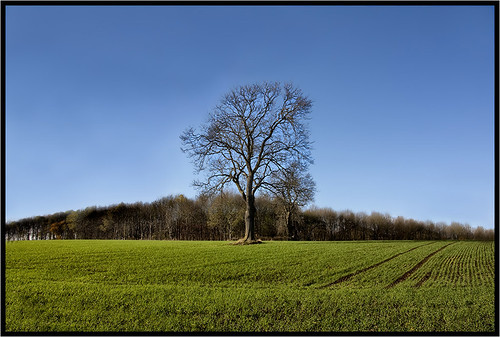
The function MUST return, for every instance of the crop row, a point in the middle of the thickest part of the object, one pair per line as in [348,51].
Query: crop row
[469,264]
[432,264]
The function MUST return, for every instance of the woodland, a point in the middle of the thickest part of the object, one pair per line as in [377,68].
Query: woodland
[221,217]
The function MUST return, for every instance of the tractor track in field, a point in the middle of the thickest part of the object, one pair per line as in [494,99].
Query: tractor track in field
[416,267]
[423,279]
[348,276]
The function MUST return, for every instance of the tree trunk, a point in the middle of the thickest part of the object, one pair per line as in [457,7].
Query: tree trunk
[292,232]
[250,219]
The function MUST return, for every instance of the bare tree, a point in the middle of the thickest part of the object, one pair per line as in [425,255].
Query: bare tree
[293,189]
[225,214]
[256,131]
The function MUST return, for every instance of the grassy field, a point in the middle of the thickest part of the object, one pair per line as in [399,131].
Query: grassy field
[277,286]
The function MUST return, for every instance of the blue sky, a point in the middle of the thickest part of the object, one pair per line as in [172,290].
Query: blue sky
[403,116]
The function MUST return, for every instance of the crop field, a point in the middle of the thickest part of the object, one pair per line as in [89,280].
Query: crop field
[206,286]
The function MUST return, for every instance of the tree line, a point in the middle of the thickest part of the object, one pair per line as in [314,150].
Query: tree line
[221,217]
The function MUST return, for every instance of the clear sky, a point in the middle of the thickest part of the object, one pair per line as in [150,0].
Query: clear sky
[403,116]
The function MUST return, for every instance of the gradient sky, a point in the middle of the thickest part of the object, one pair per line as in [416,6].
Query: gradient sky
[403,116]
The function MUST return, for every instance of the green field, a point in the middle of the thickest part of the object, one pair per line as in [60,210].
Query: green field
[276,286]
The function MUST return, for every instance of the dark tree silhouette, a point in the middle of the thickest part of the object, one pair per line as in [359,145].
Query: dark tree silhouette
[254,133]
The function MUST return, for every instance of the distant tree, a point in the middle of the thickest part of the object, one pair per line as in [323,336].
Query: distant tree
[160,210]
[400,228]
[458,231]
[226,214]
[321,223]
[202,206]
[192,218]
[181,217]
[255,132]
[489,234]
[267,213]
[362,225]
[376,222]
[479,233]
[58,229]
[345,224]
[293,189]
[72,220]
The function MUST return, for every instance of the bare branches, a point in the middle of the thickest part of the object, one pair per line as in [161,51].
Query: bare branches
[292,186]
[256,132]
